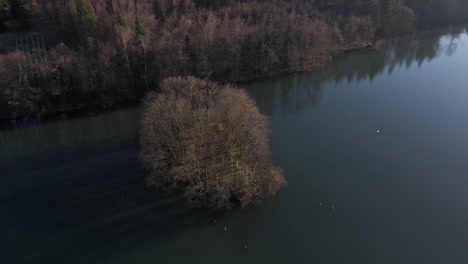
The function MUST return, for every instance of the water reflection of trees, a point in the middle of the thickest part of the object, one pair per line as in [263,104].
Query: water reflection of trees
[397,53]
[288,94]
[294,93]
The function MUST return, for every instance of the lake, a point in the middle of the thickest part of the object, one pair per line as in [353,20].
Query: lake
[374,148]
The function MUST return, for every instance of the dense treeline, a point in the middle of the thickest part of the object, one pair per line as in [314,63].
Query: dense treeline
[98,53]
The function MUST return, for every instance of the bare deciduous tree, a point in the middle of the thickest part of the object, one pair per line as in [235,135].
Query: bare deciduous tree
[208,142]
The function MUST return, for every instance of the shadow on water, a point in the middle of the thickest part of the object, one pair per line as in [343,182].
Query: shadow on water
[293,93]
[76,191]
[284,94]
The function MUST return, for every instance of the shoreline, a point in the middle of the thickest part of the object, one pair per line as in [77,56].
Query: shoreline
[57,115]
[376,45]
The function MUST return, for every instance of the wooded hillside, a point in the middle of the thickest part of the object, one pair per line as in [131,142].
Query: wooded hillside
[59,55]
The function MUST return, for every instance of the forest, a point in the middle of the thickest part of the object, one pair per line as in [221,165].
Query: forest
[65,55]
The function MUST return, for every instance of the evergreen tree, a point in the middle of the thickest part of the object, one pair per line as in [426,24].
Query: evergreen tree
[87,19]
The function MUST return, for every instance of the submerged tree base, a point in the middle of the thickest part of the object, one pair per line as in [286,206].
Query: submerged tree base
[209,142]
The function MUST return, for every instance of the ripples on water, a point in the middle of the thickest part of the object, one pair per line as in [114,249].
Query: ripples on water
[74,192]
[75,189]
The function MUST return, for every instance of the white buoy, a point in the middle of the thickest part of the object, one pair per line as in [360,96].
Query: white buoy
[225,228]
[245,246]
[320,203]
[333,207]
[378,131]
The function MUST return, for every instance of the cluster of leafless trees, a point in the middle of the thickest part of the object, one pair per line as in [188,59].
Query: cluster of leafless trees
[208,142]
[116,50]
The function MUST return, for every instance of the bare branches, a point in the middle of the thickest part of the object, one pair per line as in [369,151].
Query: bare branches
[124,48]
[208,142]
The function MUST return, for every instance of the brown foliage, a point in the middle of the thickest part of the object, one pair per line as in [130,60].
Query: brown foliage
[119,49]
[208,142]
[359,29]
[40,82]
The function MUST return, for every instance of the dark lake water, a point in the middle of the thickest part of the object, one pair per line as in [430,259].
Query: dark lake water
[374,147]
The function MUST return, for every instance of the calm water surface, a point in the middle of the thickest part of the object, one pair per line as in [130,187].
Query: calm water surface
[74,192]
